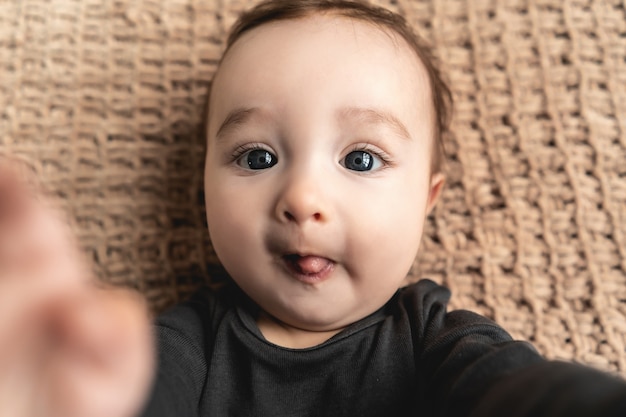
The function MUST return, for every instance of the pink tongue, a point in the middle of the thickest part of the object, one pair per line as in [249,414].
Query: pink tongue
[311,264]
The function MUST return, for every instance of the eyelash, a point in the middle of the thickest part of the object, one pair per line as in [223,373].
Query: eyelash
[383,156]
[246,147]
[240,150]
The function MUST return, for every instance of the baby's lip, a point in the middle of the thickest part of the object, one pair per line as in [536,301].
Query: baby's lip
[308,268]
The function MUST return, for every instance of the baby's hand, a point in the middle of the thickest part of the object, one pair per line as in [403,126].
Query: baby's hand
[67,347]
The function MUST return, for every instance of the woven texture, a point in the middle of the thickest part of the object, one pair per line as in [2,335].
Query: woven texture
[104,98]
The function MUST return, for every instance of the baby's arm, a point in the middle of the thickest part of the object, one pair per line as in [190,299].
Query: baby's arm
[68,347]
[471,367]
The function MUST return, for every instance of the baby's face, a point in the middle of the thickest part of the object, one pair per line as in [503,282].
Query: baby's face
[317,171]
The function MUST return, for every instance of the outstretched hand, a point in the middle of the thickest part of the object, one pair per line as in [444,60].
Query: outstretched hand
[68,346]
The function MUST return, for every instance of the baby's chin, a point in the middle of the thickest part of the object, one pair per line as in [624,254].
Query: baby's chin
[323,319]
[296,334]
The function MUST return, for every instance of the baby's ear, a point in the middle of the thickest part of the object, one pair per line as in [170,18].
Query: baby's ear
[437,180]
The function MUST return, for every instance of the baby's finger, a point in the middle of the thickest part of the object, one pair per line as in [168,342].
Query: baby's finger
[20,207]
[17,191]
[35,240]
[43,253]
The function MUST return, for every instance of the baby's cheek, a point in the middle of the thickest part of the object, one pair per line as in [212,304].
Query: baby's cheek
[395,239]
[225,230]
[233,233]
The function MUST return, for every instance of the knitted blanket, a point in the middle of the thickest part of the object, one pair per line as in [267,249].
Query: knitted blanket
[104,98]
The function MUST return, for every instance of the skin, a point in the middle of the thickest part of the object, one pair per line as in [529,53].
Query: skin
[316,244]
[68,347]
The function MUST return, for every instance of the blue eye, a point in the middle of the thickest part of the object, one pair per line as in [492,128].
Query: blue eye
[361,161]
[257,159]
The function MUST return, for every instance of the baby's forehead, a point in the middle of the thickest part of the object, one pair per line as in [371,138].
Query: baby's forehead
[329,29]
[313,48]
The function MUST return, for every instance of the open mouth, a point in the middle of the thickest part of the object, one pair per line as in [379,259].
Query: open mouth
[308,268]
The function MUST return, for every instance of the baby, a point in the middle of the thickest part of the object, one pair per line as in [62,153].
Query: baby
[323,159]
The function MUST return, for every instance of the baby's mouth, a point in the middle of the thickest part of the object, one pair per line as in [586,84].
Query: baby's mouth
[309,266]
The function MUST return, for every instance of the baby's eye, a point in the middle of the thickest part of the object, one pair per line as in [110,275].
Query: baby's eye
[257,159]
[361,161]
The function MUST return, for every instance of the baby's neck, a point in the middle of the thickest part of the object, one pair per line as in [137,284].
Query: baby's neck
[282,334]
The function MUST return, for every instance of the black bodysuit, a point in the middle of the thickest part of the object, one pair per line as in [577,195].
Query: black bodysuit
[410,358]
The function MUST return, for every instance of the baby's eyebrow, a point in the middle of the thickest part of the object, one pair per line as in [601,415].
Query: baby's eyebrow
[375,116]
[237,117]
[240,116]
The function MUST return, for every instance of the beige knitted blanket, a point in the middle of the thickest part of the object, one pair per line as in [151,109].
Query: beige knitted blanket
[104,97]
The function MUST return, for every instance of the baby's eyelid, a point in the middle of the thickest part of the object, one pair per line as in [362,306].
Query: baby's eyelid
[239,150]
[242,148]
[374,150]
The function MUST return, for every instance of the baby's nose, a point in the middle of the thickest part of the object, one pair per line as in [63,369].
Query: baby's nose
[301,200]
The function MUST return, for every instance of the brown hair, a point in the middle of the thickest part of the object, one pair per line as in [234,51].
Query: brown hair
[275,10]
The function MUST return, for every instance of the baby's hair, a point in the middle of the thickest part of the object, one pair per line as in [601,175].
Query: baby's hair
[276,10]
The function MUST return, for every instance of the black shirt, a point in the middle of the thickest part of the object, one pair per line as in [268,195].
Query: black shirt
[410,358]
